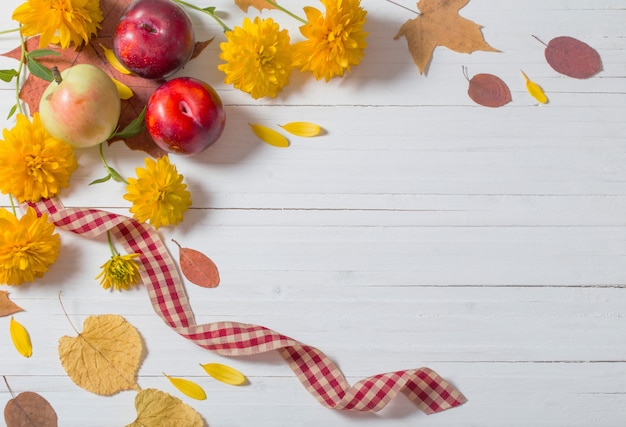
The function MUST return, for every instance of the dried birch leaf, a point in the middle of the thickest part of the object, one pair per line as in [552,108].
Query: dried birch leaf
[105,357]
[198,268]
[489,90]
[439,24]
[7,306]
[573,58]
[303,129]
[20,338]
[187,387]
[157,408]
[29,409]
[535,90]
[257,4]
[270,136]
[224,373]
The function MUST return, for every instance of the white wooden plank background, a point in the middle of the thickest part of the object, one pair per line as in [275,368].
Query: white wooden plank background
[422,230]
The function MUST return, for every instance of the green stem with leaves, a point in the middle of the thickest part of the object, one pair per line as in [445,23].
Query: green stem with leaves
[208,10]
[112,173]
[20,67]
[288,12]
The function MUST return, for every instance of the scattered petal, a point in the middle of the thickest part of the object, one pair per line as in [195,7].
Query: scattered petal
[187,387]
[535,90]
[157,408]
[115,63]
[224,373]
[270,136]
[124,91]
[304,129]
[7,306]
[198,268]
[20,338]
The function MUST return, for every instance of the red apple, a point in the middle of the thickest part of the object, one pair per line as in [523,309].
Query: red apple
[154,38]
[83,108]
[185,116]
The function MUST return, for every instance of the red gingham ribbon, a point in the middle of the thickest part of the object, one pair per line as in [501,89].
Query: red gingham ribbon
[319,375]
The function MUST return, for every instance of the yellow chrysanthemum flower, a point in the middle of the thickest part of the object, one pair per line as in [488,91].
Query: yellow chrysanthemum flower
[33,164]
[258,57]
[59,21]
[335,41]
[120,272]
[158,194]
[28,246]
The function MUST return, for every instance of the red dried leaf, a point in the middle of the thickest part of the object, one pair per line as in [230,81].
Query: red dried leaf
[489,90]
[94,54]
[198,268]
[573,58]
[29,409]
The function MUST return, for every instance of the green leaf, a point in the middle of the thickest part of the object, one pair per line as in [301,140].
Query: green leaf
[39,70]
[210,9]
[7,75]
[12,111]
[100,180]
[42,52]
[133,128]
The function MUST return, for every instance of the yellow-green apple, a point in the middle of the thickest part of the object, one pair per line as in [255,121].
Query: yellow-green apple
[154,38]
[185,116]
[82,107]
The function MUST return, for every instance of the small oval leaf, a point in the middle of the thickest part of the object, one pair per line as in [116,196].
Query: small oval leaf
[303,129]
[535,90]
[29,409]
[489,90]
[187,387]
[270,136]
[224,373]
[115,63]
[20,338]
[573,58]
[198,268]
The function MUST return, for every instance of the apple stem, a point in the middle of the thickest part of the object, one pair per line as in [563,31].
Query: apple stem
[57,74]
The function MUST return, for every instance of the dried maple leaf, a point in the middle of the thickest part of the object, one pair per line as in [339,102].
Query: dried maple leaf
[489,90]
[105,357]
[29,409]
[7,306]
[198,268]
[439,24]
[157,408]
[257,4]
[93,53]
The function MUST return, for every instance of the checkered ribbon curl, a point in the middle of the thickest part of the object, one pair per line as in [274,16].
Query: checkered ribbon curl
[319,375]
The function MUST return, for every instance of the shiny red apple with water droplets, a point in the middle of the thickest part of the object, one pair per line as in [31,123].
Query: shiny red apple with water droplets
[185,116]
[154,38]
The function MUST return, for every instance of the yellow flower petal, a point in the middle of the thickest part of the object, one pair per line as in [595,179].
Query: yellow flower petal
[124,91]
[535,90]
[224,373]
[303,129]
[20,338]
[187,387]
[115,63]
[270,136]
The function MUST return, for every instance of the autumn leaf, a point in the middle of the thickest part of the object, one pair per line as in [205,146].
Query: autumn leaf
[439,24]
[20,338]
[105,357]
[302,129]
[257,4]
[157,408]
[270,136]
[488,90]
[535,90]
[29,409]
[198,268]
[94,53]
[7,306]
[224,373]
[572,57]
[187,387]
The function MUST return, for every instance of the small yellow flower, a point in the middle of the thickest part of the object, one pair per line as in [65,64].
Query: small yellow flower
[120,272]
[158,194]
[33,164]
[258,57]
[28,246]
[335,41]
[59,21]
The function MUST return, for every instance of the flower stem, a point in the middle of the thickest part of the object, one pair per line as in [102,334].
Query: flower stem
[208,10]
[19,73]
[115,175]
[12,204]
[12,30]
[282,9]
[111,247]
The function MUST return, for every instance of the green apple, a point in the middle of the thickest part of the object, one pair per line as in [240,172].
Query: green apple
[82,107]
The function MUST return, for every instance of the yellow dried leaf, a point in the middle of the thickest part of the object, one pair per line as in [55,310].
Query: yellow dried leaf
[105,357]
[124,91]
[187,387]
[304,129]
[7,306]
[535,90]
[115,63]
[157,408]
[270,136]
[224,373]
[20,338]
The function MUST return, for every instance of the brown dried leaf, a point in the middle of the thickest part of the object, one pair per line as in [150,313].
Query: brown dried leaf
[157,408]
[29,409]
[105,357]
[439,24]
[7,307]
[257,4]
[573,58]
[94,54]
[489,90]
[198,268]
